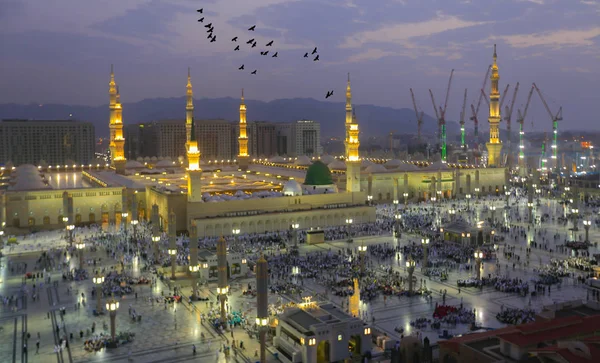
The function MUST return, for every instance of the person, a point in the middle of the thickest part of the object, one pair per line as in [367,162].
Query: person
[194,349]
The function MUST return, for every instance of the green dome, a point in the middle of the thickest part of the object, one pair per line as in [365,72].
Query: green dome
[318,174]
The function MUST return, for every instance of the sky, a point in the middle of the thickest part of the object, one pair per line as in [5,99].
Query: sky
[60,51]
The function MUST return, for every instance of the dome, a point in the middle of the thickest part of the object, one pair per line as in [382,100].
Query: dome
[292,188]
[364,163]
[376,168]
[165,163]
[327,159]
[407,167]
[132,164]
[337,165]
[276,159]
[393,162]
[438,165]
[318,174]
[303,160]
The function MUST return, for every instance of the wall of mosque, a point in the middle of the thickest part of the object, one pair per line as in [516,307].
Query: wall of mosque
[43,209]
[167,202]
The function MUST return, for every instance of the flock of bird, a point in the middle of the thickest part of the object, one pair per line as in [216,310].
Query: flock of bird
[253,43]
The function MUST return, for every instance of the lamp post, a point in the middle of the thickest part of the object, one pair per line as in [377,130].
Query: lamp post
[1,239]
[530,208]
[362,249]
[425,244]
[507,194]
[194,265]
[98,281]
[452,213]
[155,231]
[112,306]
[80,246]
[235,233]
[493,210]
[478,256]
[124,216]
[587,224]
[370,199]
[155,243]
[396,202]
[398,218]
[294,227]
[468,196]
[405,195]
[66,222]
[172,251]
[223,287]
[134,223]
[262,304]
[575,216]
[194,272]
[349,228]
[477,192]
[410,267]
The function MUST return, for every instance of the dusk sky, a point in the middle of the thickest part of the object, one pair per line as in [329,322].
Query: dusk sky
[60,51]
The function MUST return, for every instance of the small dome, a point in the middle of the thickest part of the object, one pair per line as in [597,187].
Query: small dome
[376,168]
[165,163]
[364,163]
[132,164]
[327,159]
[292,188]
[393,162]
[406,167]
[337,165]
[303,160]
[318,174]
[438,165]
[276,159]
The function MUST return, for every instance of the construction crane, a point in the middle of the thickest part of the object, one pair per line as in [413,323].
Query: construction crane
[441,116]
[419,116]
[462,123]
[507,117]
[487,100]
[521,121]
[555,118]
[475,110]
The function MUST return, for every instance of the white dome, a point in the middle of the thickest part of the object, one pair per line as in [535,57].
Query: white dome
[364,163]
[406,167]
[303,160]
[327,159]
[276,159]
[166,163]
[376,168]
[292,188]
[438,165]
[393,162]
[337,165]
[154,158]
[132,164]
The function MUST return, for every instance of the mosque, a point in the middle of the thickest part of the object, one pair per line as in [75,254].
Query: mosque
[242,196]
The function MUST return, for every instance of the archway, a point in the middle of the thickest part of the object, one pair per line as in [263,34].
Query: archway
[31,222]
[46,221]
[323,352]
[354,344]
[16,222]
[78,219]
[60,219]
[92,218]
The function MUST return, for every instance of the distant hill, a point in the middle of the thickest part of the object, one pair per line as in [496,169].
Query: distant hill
[373,120]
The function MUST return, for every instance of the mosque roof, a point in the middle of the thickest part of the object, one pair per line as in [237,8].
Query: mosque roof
[318,174]
[376,168]
[337,165]
[292,187]
[302,160]
[327,159]
[438,165]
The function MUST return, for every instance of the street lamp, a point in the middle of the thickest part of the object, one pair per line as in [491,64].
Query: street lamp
[452,213]
[587,224]
[395,201]
[507,193]
[349,228]
[425,244]
[194,268]
[134,223]
[98,281]
[477,192]
[410,267]
[468,196]
[70,233]
[80,246]
[478,256]
[405,195]
[530,207]
[575,216]
[155,242]
[493,209]
[295,227]
[235,233]
[222,294]
[1,240]
[370,199]
[124,216]
[112,306]
[362,249]
[172,251]
[398,218]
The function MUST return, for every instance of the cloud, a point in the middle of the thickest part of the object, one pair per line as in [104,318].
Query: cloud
[555,39]
[575,69]
[369,55]
[402,33]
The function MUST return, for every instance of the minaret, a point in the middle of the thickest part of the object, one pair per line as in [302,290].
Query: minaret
[243,157]
[189,108]
[117,141]
[194,172]
[262,303]
[494,146]
[352,143]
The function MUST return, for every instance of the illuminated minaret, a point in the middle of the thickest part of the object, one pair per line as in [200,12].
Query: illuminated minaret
[189,109]
[243,156]
[194,172]
[352,143]
[117,141]
[494,146]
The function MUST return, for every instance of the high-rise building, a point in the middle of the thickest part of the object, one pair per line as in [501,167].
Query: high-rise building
[306,136]
[57,142]
[263,139]
[215,139]
[166,138]
[285,142]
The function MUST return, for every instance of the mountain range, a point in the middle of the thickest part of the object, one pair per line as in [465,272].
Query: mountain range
[373,120]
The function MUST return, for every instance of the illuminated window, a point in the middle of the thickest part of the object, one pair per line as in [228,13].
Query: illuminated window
[312,341]
[340,337]
[367,331]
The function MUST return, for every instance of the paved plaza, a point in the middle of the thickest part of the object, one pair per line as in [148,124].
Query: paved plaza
[166,333]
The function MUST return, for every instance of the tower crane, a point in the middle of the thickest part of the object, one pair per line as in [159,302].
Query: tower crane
[507,117]
[419,116]
[462,123]
[475,110]
[520,121]
[441,116]
[555,118]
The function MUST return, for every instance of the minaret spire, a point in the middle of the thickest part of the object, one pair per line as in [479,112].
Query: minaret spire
[494,146]
[351,143]
[189,106]
[117,141]
[243,137]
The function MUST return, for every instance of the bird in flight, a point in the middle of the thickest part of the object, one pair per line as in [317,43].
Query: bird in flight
[316,58]
[314,51]
[200,10]
[209,25]
[270,43]
[252,28]
[237,48]
[305,55]
[253,72]
[253,44]
[209,36]
[201,20]
[210,30]
[214,38]
[274,55]
[329,94]
[250,41]
[241,68]
[264,53]
[234,39]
